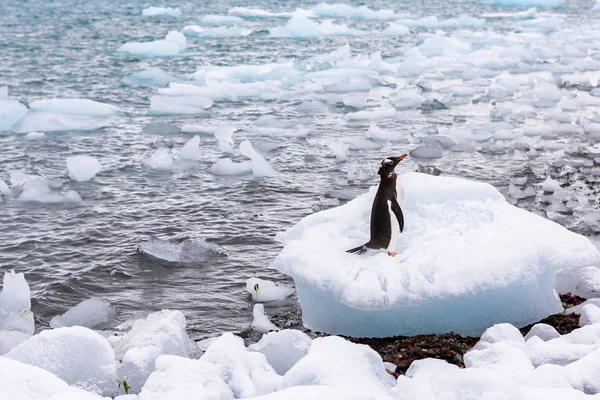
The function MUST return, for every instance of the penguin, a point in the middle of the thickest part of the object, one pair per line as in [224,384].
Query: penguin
[386,213]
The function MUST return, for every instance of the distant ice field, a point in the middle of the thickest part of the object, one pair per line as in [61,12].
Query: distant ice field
[204,134]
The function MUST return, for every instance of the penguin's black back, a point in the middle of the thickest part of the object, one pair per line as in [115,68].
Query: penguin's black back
[381,224]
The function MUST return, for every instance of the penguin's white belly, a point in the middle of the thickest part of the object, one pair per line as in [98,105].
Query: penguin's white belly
[395,228]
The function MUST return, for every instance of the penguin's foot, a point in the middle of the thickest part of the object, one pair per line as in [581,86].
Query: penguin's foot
[392,254]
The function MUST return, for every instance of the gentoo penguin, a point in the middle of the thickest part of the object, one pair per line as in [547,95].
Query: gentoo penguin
[386,214]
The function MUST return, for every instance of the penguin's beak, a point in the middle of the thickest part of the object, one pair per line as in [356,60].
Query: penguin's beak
[402,157]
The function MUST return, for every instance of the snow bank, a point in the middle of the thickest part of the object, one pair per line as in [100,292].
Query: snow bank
[83,168]
[82,107]
[173,44]
[347,11]
[11,111]
[302,27]
[89,313]
[77,355]
[160,333]
[16,318]
[283,349]
[56,122]
[226,371]
[265,291]
[161,11]
[260,166]
[452,274]
[149,77]
[21,381]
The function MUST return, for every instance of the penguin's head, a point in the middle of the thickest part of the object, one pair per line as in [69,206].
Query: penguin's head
[388,165]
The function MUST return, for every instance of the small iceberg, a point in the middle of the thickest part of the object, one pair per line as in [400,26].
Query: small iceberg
[89,313]
[160,160]
[83,168]
[195,31]
[261,322]
[149,77]
[161,11]
[226,167]
[220,20]
[187,251]
[302,27]
[453,272]
[11,111]
[173,44]
[260,166]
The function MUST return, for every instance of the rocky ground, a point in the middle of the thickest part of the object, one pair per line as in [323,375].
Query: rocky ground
[403,350]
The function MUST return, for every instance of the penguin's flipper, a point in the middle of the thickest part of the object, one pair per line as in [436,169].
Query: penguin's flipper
[398,212]
[360,250]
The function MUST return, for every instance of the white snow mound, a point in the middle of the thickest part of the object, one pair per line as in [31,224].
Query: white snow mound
[83,168]
[454,272]
[77,355]
[283,349]
[264,291]
[16,318]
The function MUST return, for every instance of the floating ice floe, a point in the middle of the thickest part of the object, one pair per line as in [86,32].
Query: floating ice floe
[83,168]
[35,136]
[261,322]
[245,12]
[11,111]
[527,3]
[173,44]
[160,160]
[283,349]
[376,133]
[340,151]
[265,291]
[260,167]
[447,221]
[226,167]
[302,27]
[372,115]
[77,355]
[432,22]
[159,334]
[527,14]
[161,11]
[224,136]
[349,12]
[4,189]
[16,318]
[89,313]
[431,149]
[174,105]
[195,31]
[187,251]
[37,190]
[153,76]
[395,30]
[55,122]
[191,150]
[82,107]
[220,20]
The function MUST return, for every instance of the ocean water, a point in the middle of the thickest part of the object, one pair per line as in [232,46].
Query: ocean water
[68,49]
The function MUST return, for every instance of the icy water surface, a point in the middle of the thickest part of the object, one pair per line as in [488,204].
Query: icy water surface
[500,76]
